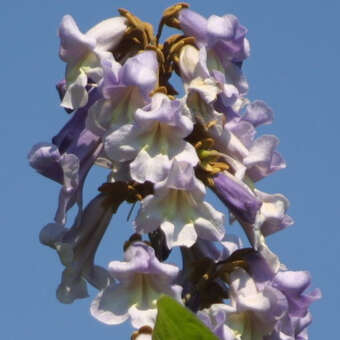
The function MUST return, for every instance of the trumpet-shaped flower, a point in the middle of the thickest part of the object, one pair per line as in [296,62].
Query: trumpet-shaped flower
[252,314]
[262,158]
[124,89]
[84,54]
[68,160]
[237,196]
[77,247]
[208,80]
[292,285]
[142,279]
[225,43]
[225,35]
[153,141]
[177,207]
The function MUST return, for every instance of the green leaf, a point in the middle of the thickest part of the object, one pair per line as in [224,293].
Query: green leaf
[175,322]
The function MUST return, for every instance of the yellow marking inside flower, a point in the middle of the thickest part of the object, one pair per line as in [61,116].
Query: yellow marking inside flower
[180,204]
[214,62]
[157,139]
[211,124]
[145,295]
[84,66]
[242,326]
[127,106]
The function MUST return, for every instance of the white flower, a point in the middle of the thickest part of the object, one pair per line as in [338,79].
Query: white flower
[177,207]
[142,280]
[84,53]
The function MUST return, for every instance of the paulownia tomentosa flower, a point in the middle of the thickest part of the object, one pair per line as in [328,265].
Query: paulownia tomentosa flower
[163,148]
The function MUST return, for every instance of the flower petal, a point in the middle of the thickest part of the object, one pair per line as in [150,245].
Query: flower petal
[193,24]
[76,95]
[108,33]
[258,113]
[210,223]
[111,305]
[140,318]
[178,234]
[147,168]
[73,43]
[72,287]
[140,71]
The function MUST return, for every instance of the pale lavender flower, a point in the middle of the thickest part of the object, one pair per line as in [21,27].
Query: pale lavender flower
[142,279]
[207,85]
[177,207]
[84,54]
[153,140]
[124,89]
[252,313]
[292,284]
[262,158]
[225,35]
[272,215]
[270,218]
[207,93]
[223,42]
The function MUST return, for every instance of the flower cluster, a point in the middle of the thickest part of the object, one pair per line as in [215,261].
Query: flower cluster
[164,150]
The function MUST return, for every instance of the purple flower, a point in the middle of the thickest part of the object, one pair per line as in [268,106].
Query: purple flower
[68,160]
[141,281]
[237,197]
[77,247]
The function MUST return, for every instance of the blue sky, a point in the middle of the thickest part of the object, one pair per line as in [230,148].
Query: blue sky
[294,67]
